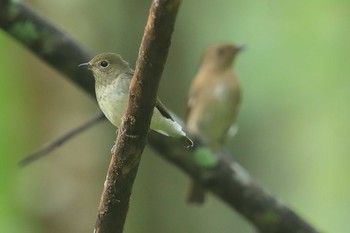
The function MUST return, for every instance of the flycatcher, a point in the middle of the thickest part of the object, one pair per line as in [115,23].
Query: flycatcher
[112,80]
[213,101]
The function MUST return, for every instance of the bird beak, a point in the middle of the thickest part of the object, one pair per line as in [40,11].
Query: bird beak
[85,65]
[241,47]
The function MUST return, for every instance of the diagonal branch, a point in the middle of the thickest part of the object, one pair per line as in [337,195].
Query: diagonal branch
[131,139]
[230,182]
[233,185]
[46,41]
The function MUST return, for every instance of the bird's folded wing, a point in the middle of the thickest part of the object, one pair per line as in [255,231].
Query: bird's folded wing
[161,108]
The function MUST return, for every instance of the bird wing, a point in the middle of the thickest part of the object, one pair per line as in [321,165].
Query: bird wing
[161,108]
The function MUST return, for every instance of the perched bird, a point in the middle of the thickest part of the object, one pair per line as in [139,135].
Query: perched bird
[213,101]
[112,80]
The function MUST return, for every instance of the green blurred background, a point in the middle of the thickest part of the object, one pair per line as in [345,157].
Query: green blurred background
[294,130]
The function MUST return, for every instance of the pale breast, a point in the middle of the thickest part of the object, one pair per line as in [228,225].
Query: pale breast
[112,100]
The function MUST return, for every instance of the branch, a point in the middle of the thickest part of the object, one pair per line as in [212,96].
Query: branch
[131,139]
[46,149]
[232,184]
[46,41]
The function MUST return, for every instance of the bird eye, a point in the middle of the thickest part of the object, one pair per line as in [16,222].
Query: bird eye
[104,64]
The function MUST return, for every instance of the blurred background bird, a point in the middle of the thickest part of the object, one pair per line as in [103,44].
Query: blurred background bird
[213,102]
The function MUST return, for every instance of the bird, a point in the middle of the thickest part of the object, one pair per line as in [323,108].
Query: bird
[213,102]
[112,76]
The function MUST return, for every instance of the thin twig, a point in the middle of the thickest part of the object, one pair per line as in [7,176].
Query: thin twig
[46,149]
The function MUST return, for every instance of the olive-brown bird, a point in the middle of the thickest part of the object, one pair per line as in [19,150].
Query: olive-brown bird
[213,102]
[112,80]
